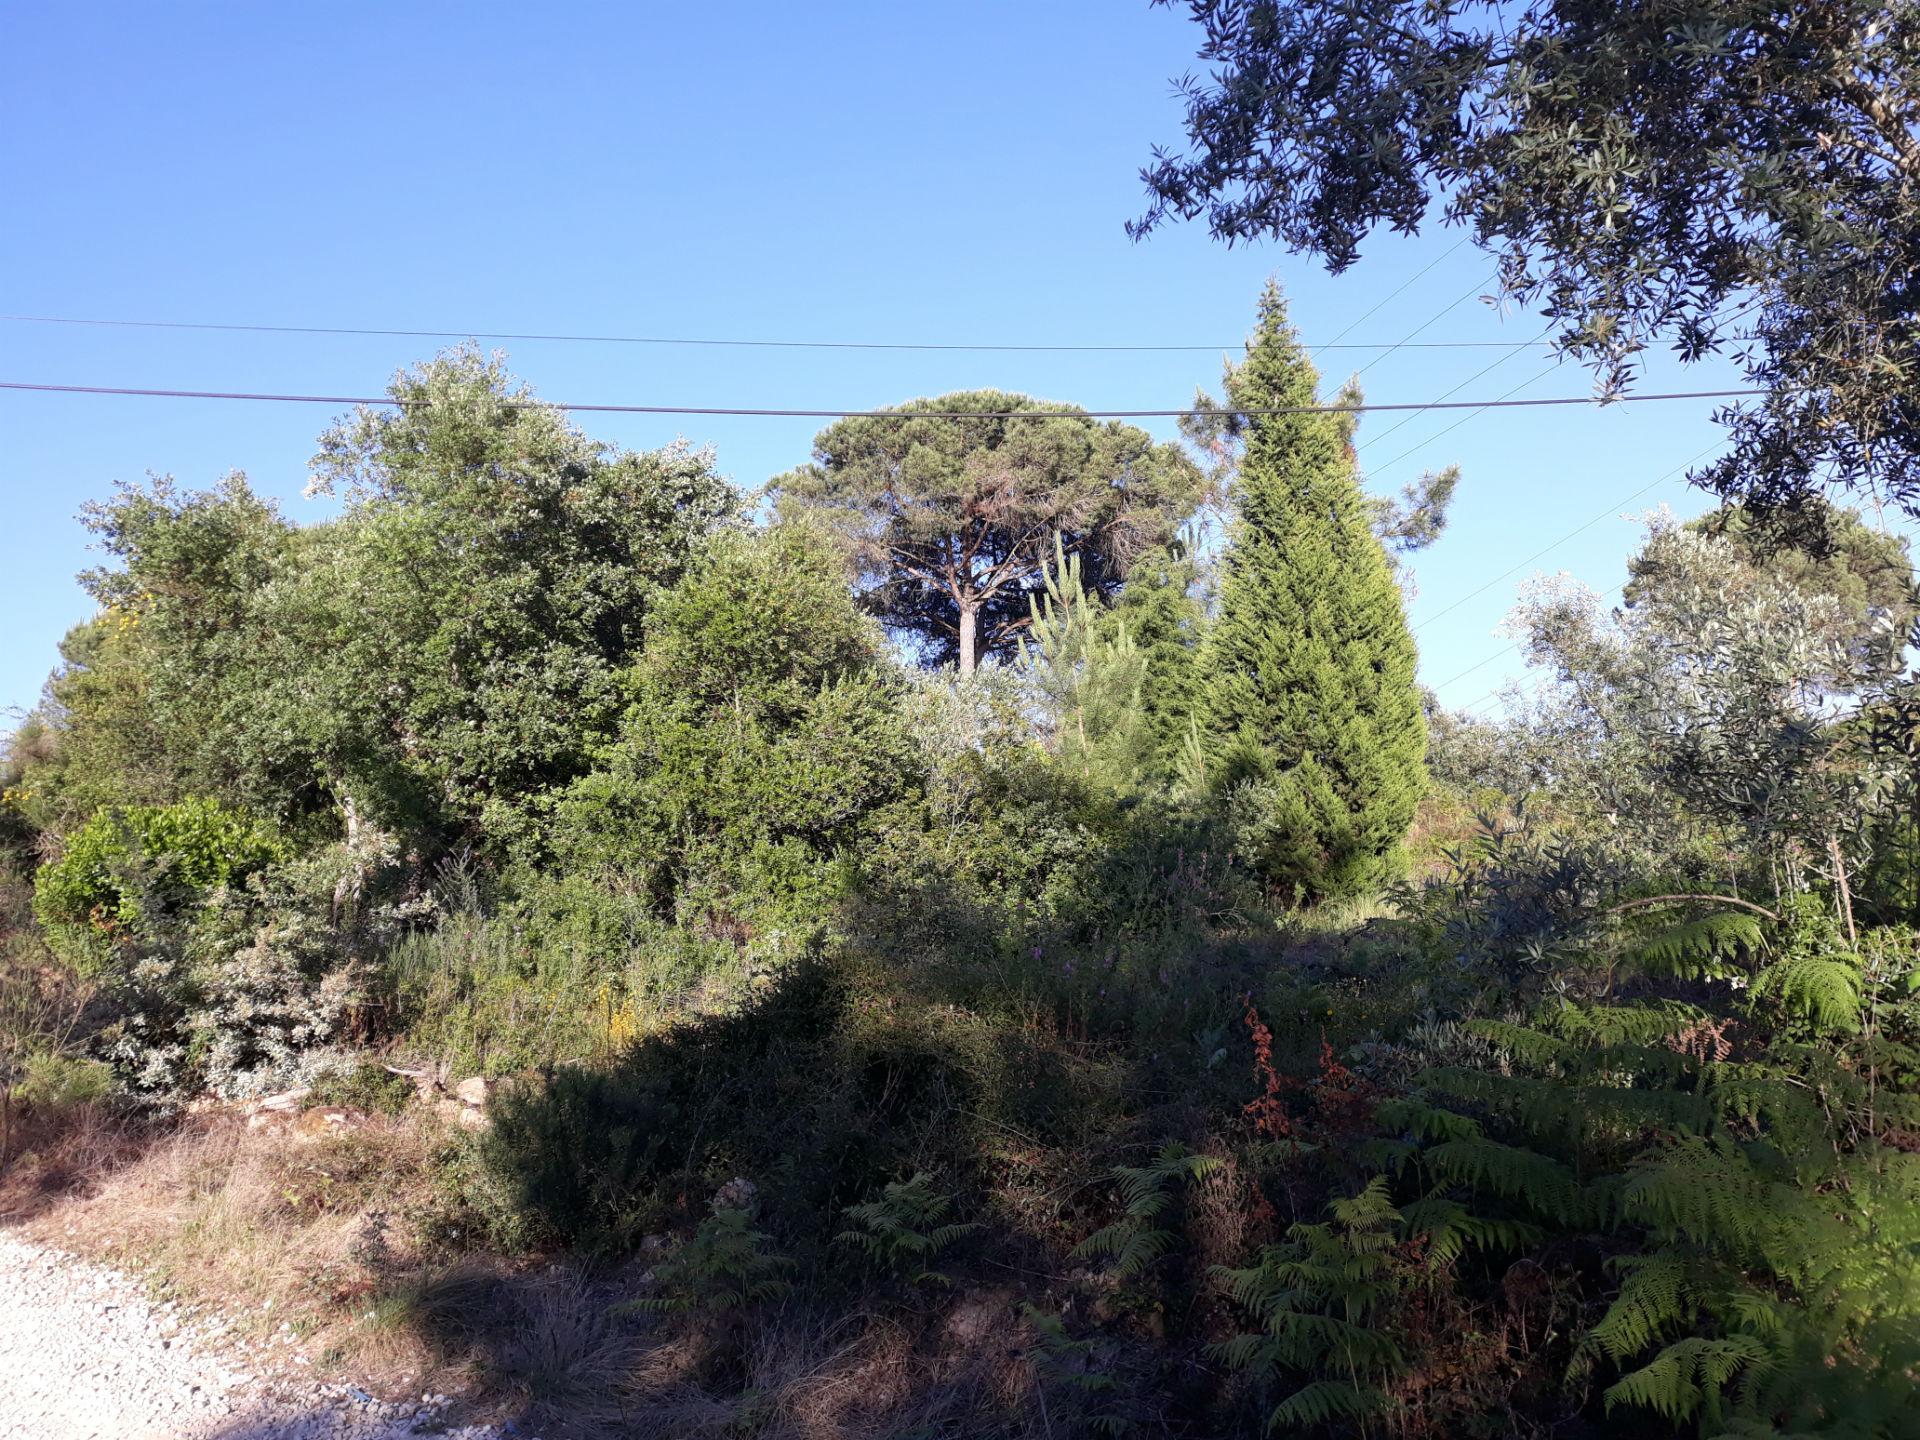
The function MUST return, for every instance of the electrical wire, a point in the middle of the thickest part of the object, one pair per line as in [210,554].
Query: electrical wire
[694,340]
[1399,290]
[1486,370]
[1445,430]
[836,414]
[1609,513]
[1405,341]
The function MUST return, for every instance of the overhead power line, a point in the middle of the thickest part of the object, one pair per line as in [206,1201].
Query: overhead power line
[1476,667]
[776,413]
[1396,292]
[1456,389]
[1500,654]
[1407,341]
[730,343]
[1610,512]
[1445,430]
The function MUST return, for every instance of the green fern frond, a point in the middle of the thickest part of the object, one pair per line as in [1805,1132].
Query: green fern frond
[1531,1047]
[1656,1295]
[1424,1121]
[1543,1185]
[1774,1095]
[1388,1157]
[1248,1355]
[1370,1209]
[1567,1109]
[1641,1024]
[726,1265]
[1709,1192]
[901,1230]
[1324,1401]
[1134,1242]
[1824,989]
[1323,1301]
[1450,1230]
[1708,948]
[1689,1376]
[1132,1248]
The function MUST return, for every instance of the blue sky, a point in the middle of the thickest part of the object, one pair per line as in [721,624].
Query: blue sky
[941,172]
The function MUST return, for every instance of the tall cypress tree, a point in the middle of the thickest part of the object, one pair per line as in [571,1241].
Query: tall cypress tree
[1308,727]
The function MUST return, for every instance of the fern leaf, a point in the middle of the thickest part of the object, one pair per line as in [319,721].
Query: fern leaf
[1655,1296]
[1324,1401]
[1688,1376]
[1825,989]
[1424,1121]
[1708,948]
[1540,1183]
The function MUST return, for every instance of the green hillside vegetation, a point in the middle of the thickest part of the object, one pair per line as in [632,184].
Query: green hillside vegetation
[1176,1025]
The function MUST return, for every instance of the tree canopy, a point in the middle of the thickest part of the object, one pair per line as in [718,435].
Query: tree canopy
[494,567]
[1865,573]
[951,521]
[1309,720]
[1713,174]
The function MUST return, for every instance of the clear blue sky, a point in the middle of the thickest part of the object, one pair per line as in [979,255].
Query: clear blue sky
[939,172]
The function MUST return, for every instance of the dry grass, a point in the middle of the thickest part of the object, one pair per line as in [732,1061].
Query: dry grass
[313,1247]
[55,1158]
[797,1375]
[326,1248]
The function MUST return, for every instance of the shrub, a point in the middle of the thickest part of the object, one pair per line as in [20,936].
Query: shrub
[577,1157]
[363,1085]
[52,1081]
[130,868]
[763,729]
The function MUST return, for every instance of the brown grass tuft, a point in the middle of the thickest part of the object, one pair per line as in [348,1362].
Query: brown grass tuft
[57,1157]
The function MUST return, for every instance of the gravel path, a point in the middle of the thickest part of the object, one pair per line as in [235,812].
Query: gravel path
[85,1355]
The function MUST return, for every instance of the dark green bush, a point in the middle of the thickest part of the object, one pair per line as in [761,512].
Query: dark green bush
[579,1155]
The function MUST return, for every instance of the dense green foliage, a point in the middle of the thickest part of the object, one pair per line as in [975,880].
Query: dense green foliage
[1689,172]
[1309,722]
[1052,1050]
[761,732]
[127,866]
[952,516]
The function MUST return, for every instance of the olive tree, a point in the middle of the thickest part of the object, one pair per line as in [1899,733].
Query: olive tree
[1713,704]
[1698,173]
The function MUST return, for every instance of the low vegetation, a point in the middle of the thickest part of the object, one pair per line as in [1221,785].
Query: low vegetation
[538,933]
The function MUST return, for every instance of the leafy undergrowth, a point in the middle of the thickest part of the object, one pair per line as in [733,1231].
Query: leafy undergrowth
[1680,1190]
[340,1255]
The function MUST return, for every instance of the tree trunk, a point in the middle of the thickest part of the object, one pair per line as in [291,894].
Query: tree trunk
[349,880]
[969,627]
[1845,890]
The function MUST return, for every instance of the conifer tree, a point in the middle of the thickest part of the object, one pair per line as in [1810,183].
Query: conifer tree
[1159,611]
[1308,728]
[1087,674]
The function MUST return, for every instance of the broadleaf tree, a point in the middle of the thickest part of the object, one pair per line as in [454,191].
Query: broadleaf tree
[951,522]
[496,567]
[1703,174]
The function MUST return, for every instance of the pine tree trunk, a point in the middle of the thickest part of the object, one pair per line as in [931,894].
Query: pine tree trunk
[969,628]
